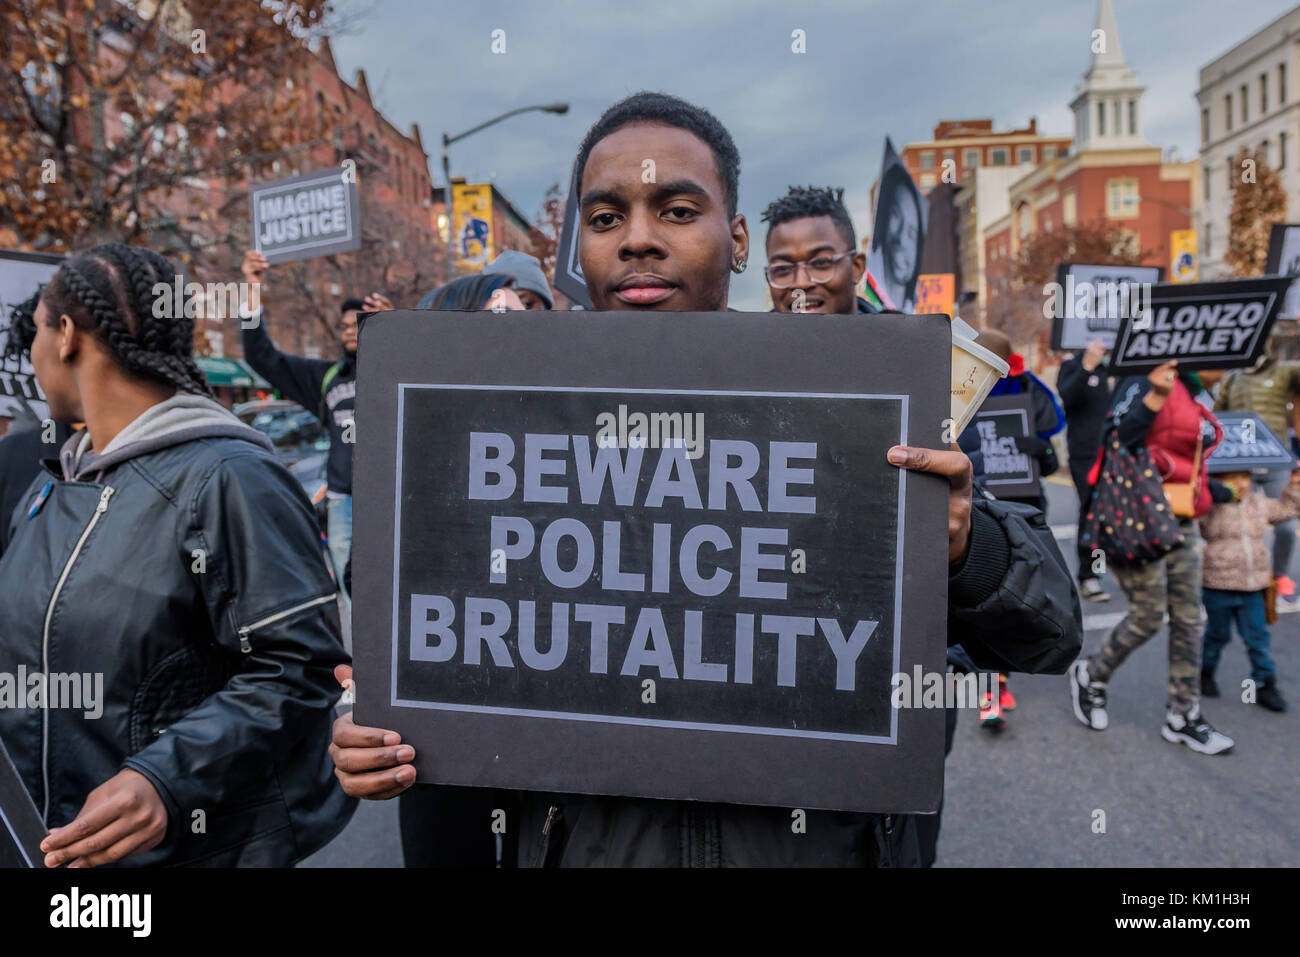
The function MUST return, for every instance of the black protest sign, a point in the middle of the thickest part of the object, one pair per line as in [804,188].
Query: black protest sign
[597,553]
[1204,325]
[1248,443]
[1088,301]
[1008,472]
[22,275]
[21,830]
[315,214]
[568,269]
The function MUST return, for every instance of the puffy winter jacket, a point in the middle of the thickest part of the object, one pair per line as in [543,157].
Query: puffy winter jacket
[1235,557]
[1012,606]
[186,569]
[1264,391]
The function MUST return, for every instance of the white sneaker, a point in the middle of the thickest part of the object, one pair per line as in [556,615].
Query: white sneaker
[1195,732]
[1088,697]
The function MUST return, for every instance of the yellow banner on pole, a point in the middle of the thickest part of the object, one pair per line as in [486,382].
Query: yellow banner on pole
[934,294]
[1183,260]
[472,220]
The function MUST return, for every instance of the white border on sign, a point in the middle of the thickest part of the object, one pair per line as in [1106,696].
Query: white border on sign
[397,702]
[1128,330]
[293,188]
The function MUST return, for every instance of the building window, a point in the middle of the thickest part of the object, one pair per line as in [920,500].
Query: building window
[1281,82]
[927,159]
[972,157]
[1101,119]
[1114,112]
[927,181]
[1263,150]
[1263,93]
[1227,111]
[1025,154]
[1209,239]
[1069,207]
[1132,117]
[1047,224]
[999,157]
[1049,153]
[1122,198]
[1205,177]
[1205,126]
[1024,220]
[1245,105]
[947,155]
[1281,150]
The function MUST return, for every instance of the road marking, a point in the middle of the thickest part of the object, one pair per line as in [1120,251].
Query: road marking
[1103,622]
[1064,533]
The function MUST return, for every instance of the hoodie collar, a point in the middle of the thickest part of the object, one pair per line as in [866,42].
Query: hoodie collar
[182,418]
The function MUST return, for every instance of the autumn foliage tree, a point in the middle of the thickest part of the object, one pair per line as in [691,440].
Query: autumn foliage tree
[1017,292]
[1258,201]
[145,120]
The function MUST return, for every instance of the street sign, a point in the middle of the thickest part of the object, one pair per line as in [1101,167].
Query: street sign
[315,214]
[1008,472]
[1204,325]
[658,555]
[1088,301]
[1248,443]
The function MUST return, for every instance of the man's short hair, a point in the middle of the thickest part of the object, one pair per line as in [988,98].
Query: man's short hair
[802,202]
[646,107]
[349,304]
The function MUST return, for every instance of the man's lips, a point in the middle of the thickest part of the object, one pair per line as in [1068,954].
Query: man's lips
[644,290]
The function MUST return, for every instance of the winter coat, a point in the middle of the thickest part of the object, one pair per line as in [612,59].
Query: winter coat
[1086,398]
[1235,557]
[1171,435]
[185,568]
[1264,391]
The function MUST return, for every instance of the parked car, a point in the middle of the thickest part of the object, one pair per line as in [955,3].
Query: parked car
[300,441]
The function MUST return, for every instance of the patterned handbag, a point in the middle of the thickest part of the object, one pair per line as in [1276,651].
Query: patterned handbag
[1128,516]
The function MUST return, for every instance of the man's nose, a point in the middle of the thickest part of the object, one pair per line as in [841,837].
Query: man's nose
[641,237]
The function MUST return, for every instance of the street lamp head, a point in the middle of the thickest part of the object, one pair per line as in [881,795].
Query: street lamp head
[560,108]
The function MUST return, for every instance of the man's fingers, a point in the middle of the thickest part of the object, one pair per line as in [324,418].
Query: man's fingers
[136,842]
[952,463]
[348,734]
[94,815]
[98,840]
[343,674]
[354,760]
[377,785]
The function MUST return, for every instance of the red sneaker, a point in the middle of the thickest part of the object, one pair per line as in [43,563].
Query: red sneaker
[1005,698]
[991,714]
[1285,587]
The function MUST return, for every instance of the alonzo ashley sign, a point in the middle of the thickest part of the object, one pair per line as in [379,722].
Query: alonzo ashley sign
[1204,325]
[597,554]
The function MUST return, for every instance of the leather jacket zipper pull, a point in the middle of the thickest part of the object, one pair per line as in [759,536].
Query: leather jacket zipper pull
[245,645]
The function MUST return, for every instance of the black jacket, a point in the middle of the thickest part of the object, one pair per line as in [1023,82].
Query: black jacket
[1012,606]
[1086,397]
[303,381]
[20,460]
[190,576]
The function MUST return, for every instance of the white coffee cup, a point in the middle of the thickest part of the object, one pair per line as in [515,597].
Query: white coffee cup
[974,371]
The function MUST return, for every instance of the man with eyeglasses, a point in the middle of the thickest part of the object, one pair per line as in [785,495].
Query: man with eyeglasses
[812,259]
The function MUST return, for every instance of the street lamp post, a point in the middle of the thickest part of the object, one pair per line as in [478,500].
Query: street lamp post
[557,108]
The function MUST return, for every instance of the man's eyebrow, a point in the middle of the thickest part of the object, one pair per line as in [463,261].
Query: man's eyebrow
[823,248]
[678,187]
[595,196]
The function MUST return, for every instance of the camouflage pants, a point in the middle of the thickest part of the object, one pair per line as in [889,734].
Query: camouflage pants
[1172,583]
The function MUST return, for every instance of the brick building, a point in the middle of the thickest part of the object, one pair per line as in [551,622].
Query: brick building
[968,145]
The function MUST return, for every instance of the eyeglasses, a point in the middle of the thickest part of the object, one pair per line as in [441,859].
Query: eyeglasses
[820,269]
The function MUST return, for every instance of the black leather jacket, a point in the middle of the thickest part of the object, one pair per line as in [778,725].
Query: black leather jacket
[1012,606]
[190,577]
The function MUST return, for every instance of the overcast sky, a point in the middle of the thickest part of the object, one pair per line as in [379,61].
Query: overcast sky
[872,68]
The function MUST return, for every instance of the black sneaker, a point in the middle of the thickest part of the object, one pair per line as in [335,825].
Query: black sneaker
[1209,687]
[1091,589]
[1195,732]
[1088,697]
[1268,696]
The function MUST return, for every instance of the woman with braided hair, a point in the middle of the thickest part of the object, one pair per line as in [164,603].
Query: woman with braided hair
[167,555]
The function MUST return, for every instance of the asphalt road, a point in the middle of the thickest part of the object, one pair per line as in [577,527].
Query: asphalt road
[1030,794]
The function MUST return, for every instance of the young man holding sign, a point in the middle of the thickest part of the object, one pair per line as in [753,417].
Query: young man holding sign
[669,243]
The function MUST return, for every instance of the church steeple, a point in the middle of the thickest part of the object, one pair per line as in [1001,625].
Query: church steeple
[1107,105]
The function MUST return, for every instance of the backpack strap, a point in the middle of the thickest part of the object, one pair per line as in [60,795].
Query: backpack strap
[330,374]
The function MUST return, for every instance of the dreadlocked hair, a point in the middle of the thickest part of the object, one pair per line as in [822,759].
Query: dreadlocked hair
[110,290]
[806,201]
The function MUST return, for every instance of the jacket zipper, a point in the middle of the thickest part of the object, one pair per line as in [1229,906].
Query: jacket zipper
[246,646]
[100,509]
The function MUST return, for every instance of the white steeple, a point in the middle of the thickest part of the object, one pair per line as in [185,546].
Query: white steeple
[1107,105]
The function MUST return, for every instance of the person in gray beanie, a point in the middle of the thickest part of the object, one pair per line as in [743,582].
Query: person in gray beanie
[530,281]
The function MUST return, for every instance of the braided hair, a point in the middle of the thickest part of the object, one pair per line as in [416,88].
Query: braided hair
[109,290]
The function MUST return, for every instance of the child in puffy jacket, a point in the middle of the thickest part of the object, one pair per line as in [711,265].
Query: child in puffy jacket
[1236,574]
